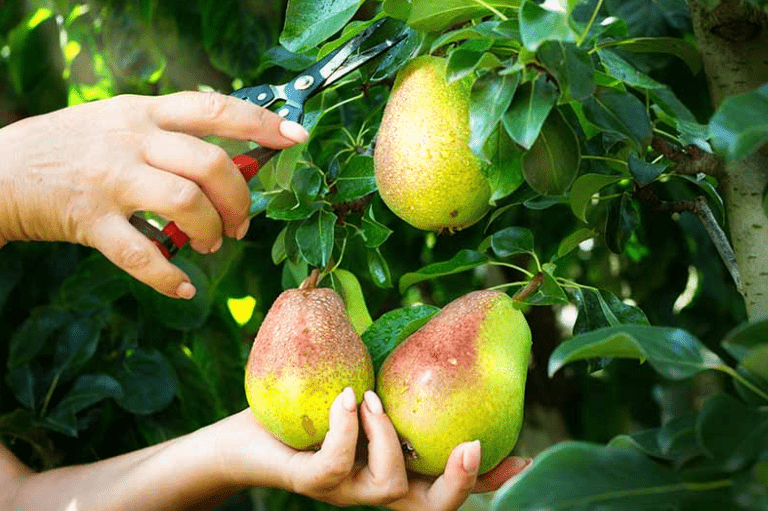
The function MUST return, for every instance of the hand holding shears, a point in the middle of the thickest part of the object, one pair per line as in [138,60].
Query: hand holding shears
[293,96]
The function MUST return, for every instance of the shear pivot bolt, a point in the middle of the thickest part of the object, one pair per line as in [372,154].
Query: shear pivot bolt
[262,96]
[284,112]
[304,82]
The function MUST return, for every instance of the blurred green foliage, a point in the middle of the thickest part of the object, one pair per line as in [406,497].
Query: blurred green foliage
[95,364]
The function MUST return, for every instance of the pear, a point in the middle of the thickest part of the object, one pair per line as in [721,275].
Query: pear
[424,169]
[459,378]
[304,354]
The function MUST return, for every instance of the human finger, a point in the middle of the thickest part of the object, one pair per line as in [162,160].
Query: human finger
[336,457]
[507,469]
[384,478]
[179,199]
[210,113]
[130,250]
[210,168]
[451,489]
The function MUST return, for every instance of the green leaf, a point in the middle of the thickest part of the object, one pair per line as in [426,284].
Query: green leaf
[374,234]
[463,261]
[620,223]
[356,178]
[620,113]
[644,172]
[538,24]
[601,308]
[615,477]
[529,109]
[673,353]
[626,72]
[76,345]
[732,433]
[572,68]
[570,242]
[686,51]
[490,97]
[550,166]
[11,271]
[174,313]
[379,269]
[346,284]
[549,293]
[310,22]
[30,338]
[512,240]
[437,15]
[148,380]
[392,328]
[748,344]
[465,61]
[493,30]
[24,425]
[315,237]
[505,172]
[87,390]
[740,126]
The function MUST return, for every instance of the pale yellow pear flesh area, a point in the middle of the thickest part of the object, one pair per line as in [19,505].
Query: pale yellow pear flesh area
[425,171]
[459,378]
[305,353]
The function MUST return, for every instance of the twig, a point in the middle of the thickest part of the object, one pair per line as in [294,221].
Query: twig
[700,208]
[691,159]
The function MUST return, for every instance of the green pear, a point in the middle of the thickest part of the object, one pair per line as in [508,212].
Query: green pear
[424,169]
[305,353]
[459,378]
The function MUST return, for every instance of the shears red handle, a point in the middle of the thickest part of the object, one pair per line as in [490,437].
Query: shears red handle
[170,239]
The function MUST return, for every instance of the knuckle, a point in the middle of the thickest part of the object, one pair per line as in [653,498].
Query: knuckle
[214,159]
[133,257]
[336,469]
[186,197]
[213,104]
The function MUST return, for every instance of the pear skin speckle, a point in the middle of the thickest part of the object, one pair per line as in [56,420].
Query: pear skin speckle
[424,169]
[305,353]
[460,377]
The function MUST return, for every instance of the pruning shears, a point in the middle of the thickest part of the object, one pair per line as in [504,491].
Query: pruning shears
[293,94]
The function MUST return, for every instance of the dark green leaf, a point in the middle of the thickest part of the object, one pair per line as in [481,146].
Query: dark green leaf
[585,188]
[746,337]
[621,222]
[172,312]
[436,15]
[491,96]
[550,293]
[287,206]
[310,22]
[464,61]
[373,232]
[356,178]
[644,172]
[570,242]
[512,240]
[11,270]
[673,353]
[25,426]
[538,24]
[740,125]
[393,327]
[606,477]
[686,51]
[96,283]
[30,338]
[505,172]
[148,381]
[315,237]
[76,345]
[550,166]
[572,68]
[529,109]
[463,261]
[492,30]
[731,432]
[87,390]
[620,113]
[626,72]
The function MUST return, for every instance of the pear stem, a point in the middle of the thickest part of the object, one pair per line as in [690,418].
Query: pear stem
[530,289]
[310,282]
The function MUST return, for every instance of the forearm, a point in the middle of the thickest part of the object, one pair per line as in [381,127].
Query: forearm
[180,474]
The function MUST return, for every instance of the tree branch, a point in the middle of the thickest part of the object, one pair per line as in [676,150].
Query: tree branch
[691,159]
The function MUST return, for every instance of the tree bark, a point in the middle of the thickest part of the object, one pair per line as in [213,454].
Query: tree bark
[733,42]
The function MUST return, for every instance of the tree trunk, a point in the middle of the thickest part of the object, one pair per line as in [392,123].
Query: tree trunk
[733,42]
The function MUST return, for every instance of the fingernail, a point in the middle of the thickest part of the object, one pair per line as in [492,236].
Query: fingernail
[216,246]
[293,131]
[243,229]
[185,290]
[471,462]
[348,399]
[373,402]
